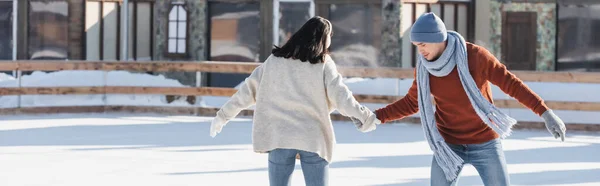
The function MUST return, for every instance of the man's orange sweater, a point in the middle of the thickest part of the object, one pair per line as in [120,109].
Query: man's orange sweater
[456,119]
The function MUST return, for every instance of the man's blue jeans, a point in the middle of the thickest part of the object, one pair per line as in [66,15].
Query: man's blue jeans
[487,158]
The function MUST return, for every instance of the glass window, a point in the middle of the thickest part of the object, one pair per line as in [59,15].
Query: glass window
[578,32]
[177,30]
[357,34]
[92,30]
[6,21]
[102,30]
[111,33]
[140,33]
[48,29]
[144,31]
[104,34]
[131,39]
[292,16]
[234,36]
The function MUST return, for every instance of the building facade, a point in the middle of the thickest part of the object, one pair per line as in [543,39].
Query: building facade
[542,35]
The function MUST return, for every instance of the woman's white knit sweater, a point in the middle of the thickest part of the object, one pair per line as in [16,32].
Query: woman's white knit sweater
[293,104]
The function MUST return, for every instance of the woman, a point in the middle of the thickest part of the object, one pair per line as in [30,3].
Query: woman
[295,90]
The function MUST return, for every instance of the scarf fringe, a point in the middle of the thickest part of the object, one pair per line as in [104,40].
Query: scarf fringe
[502,122]
[448,160]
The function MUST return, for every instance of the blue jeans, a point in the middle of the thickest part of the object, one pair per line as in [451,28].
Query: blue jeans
[487,158]
[283,161]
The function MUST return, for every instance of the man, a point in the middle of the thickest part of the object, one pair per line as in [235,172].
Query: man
[465,126]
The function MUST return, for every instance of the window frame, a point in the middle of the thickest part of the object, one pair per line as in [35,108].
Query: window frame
[177,37]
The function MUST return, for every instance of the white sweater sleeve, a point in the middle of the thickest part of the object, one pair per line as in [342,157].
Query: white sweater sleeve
[341,98]
[244,97]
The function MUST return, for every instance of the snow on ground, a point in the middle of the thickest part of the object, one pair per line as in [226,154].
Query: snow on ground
[148,150]
[380,86]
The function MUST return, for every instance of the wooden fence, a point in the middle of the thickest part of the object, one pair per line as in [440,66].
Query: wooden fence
[246,68]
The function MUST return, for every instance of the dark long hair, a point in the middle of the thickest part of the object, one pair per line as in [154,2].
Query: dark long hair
[307,44]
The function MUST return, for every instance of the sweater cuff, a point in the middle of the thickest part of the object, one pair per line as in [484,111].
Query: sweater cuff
[540,110]
[380,115]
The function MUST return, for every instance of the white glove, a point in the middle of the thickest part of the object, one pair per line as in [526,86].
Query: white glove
[217,125]
[555,125]
[371,125]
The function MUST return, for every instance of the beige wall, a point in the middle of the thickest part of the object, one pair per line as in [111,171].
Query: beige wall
[482,23]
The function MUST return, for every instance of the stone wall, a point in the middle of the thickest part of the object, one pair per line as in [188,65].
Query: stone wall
[196,32]
[391,40]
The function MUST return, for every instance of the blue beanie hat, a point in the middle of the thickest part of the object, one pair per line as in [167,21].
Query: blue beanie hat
[429,28]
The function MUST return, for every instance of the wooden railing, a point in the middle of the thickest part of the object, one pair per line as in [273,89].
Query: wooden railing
[242,68]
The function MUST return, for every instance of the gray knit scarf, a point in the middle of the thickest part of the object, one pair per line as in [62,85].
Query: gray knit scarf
[455,55]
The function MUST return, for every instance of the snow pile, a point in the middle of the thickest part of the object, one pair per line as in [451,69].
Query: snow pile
[88,78]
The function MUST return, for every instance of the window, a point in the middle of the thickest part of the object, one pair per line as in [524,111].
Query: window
[234,36]
[102,27]
[140,33]
[92,30]
[578,32]
[104,30]
[357,28]
[177,30]
[290,16]
[48,29]
[6,20]
[111,37]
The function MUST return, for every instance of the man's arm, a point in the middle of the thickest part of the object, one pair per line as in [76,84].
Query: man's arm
[497,74]
[402,108]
